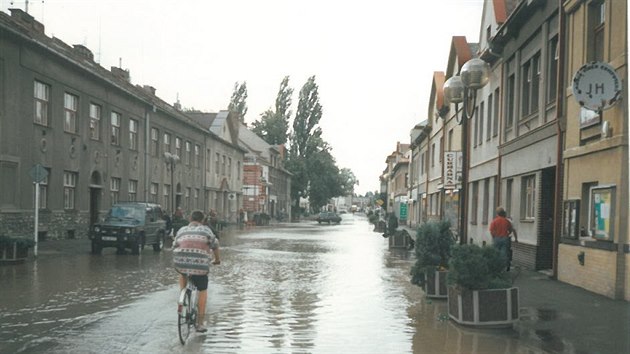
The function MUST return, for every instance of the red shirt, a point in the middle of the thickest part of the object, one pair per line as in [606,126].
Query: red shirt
[500,227]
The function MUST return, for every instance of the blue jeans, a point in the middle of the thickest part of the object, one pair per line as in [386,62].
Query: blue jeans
[504,246]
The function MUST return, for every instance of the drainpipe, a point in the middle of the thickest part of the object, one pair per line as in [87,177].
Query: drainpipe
[560,96]
[147,153]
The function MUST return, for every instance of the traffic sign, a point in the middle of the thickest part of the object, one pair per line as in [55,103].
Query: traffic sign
[38,173]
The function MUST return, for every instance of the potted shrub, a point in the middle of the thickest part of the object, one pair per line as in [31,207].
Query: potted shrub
[14,249]
[480,290]
[433,244]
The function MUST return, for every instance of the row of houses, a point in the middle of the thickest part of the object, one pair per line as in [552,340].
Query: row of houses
[559,168]
[101,139]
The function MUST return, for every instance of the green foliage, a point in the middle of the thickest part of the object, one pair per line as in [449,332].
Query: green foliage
[21,242]
[475,267]
[273,126]
[238,101]
[433,247]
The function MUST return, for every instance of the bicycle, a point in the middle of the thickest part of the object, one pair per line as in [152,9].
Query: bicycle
[187,310]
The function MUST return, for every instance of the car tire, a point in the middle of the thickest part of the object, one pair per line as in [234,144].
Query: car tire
[96,248]
[159,244]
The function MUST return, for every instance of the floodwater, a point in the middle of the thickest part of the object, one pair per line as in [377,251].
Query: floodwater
[297,288]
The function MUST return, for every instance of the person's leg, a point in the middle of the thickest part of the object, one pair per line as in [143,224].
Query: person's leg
[203,297]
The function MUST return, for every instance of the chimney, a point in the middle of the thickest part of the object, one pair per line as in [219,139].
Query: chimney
[120,73]
[83,52]
[26,20]
[149,89]
[282,150]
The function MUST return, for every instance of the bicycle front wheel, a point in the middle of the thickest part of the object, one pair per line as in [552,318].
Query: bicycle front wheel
[184,317]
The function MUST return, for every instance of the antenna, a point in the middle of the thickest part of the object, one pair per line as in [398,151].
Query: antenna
[120,62]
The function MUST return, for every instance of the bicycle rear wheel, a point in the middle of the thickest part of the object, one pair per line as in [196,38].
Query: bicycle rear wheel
[184,314]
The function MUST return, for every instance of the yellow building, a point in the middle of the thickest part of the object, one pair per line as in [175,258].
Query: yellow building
[593,250]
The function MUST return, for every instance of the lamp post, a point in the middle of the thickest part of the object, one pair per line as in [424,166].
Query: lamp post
[172,160]
[462,88]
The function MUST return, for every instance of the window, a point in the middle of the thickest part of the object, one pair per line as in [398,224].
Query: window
[508,196]
[474,202]
[188,159]
[133,190]
[475,126]
[217,163]
[422,163]
[596,21]
[95,121]
[552,67]
[155,141]
[187,196]
[482,113]
[41,97]
[528,197]
[486,201]
[69,188]
[115,120]
[529,88]
[114,190]
[223,166]
[495,122]
[197,155]
[208,160]
[167,196]
[154,192]
[433,155]
[450,140]
[178,147]
[167,142]
[133,134]
[43,192]
[441,148]
[196,196]
[70,108]
[229,167]
[509,103]
[489,119]
[238,170]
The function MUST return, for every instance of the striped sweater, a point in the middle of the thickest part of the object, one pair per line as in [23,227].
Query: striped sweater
[192,249]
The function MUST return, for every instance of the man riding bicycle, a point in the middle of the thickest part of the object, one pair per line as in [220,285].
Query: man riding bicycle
[191,256]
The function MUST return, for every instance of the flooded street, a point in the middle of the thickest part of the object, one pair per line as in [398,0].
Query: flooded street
[298,288]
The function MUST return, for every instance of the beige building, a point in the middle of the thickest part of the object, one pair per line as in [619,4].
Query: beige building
[594,246]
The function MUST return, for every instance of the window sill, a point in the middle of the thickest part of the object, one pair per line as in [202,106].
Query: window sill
[527,221]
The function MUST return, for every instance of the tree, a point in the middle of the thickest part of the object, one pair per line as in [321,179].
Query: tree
[305,139]
[273,126]
[238,101]
[347,181]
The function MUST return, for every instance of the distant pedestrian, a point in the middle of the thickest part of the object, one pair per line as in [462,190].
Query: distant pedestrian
[501,229]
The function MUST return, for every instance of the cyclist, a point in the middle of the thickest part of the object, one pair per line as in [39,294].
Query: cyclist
[191,256]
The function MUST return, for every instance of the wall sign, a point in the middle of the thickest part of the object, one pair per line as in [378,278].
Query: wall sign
[596,86]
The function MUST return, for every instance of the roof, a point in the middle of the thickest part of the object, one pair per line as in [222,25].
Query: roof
[254,143]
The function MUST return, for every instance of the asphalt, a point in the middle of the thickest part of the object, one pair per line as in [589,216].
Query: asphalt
[562,318]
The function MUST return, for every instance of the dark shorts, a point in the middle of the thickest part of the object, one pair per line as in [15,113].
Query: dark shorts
[200,281]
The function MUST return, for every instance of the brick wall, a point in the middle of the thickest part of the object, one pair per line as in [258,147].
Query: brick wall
[596,275]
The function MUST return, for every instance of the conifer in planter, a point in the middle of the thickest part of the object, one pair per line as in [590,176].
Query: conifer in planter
[14,249]
[434,241]
[480,290]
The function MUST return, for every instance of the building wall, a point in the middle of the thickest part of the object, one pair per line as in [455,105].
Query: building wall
[596,275]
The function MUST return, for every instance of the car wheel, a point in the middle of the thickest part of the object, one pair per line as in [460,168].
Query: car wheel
[159,244]
[96,248]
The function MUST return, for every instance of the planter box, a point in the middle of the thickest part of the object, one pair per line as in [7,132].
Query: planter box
[435,286]
[13,253]
[492,308]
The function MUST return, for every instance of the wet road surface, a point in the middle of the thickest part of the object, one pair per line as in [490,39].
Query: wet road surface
[297,288]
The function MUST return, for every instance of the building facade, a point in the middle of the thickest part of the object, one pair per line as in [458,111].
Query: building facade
[100,138]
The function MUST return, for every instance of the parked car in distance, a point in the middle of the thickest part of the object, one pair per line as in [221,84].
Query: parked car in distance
[329,217]
[130,225]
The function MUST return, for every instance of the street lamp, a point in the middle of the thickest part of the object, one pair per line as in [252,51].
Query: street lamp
[462,88]
[172,160]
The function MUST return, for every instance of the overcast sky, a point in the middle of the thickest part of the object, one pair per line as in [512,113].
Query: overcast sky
[373,60]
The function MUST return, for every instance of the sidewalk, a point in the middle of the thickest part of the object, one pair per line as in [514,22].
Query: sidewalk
[567,319]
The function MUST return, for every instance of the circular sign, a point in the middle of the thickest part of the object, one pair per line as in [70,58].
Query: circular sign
[596,86]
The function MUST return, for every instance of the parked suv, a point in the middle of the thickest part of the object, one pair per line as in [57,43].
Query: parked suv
[328,216]
[130,225]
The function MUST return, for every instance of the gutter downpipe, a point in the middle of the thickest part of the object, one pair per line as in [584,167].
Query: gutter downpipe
[560,96]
